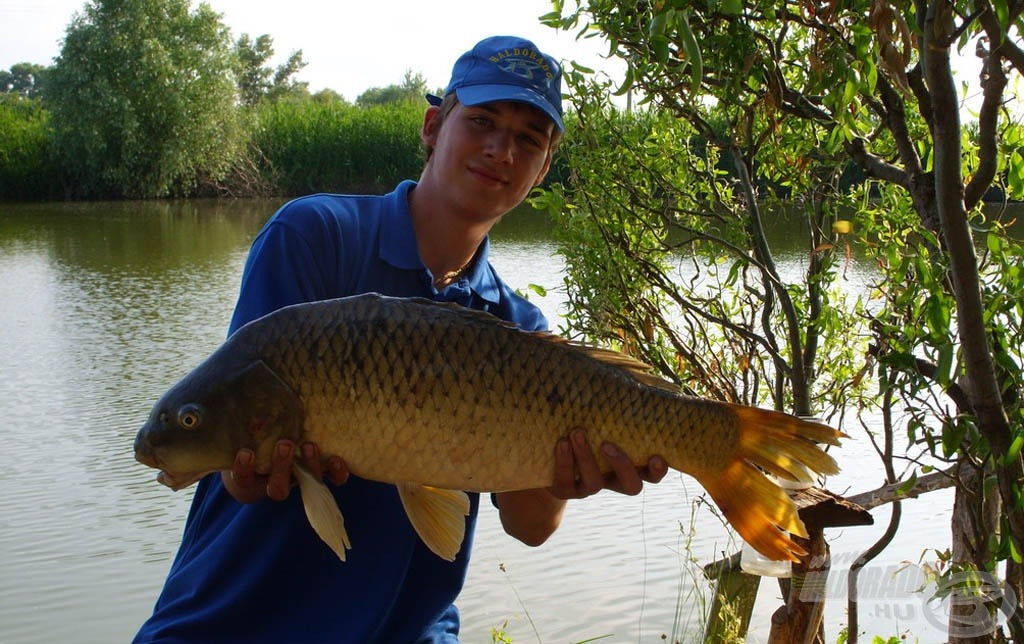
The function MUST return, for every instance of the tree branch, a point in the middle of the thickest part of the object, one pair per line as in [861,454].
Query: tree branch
[888,493]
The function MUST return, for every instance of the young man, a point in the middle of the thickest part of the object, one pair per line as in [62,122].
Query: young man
[249,567]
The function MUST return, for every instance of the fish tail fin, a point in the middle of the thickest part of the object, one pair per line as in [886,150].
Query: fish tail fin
[782,445]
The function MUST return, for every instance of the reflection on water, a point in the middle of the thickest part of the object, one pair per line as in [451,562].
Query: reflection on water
[105,305]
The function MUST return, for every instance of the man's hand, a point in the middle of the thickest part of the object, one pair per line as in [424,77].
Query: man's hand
[248,485]
[533,515]
[578,474]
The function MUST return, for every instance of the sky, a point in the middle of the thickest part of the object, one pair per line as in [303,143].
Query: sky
[348,45]
[352,45]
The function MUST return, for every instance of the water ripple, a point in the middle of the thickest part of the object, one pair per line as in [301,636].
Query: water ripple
[104,310]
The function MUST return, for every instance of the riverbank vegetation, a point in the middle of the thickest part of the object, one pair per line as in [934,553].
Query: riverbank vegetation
[285,148]
[176,107]
[792,94]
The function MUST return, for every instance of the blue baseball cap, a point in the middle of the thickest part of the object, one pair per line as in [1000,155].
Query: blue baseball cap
[506,68]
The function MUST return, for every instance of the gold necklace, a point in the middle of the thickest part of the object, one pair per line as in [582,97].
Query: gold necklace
[451,276]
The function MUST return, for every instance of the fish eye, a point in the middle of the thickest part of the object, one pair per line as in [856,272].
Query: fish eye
[189,416]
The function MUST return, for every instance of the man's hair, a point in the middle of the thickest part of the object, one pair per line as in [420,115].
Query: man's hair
[449,102]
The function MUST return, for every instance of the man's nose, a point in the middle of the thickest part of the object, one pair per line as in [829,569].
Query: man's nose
[499,146]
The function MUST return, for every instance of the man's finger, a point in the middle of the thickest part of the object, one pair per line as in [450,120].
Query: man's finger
[591,480]
[656,470]
[625,477]
[337,470]
[243,471]
[279,483]
[564,485]
[311,459]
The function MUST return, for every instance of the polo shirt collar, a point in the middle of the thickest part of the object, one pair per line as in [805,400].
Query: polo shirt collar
[397,246]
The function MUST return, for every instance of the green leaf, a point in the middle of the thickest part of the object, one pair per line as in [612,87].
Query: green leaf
[552,19]
[692,50]
[657,27]
[993,242]
[944,365]
[627,82]
[731,7]
[952,437]
[907,485]
[871,75]
[659,45]
[849,90]
[939,316]
[1003,15]
[1013,451]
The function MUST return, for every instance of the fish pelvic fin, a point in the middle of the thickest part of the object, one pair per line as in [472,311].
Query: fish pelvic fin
[322,511]
[782,445]
[437,515]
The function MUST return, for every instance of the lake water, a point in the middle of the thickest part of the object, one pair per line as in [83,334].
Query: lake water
[103,306]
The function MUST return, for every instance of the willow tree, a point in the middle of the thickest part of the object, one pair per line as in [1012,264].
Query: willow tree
[142,97]
[838,111]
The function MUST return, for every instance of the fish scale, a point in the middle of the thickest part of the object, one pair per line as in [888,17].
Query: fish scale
[440,399]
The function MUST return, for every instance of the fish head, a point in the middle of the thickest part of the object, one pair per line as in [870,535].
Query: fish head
[199,425]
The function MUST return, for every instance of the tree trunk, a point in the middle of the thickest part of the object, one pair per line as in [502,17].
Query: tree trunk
[983,390]
[975,518]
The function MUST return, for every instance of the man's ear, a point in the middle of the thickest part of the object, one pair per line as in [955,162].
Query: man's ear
[431,126]
[544,171]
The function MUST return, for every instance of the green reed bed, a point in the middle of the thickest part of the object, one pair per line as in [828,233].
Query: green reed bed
[295,147]
[27,170]
[315,146]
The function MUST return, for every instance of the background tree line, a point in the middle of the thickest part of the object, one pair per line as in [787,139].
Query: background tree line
[155,99]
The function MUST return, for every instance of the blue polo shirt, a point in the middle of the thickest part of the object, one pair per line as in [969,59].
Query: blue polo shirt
[258,572]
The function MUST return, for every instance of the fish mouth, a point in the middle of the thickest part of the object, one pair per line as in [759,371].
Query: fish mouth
[147,459]
[179,481]
[174,481]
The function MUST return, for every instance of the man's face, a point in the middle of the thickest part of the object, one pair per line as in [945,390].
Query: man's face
[488,157]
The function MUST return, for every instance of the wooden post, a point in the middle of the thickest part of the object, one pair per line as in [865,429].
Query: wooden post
[799,621]
[733,602]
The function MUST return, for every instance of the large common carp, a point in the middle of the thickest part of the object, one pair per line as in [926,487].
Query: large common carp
[437,399]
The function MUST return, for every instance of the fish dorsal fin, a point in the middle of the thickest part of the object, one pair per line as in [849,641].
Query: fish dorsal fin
[640,371]
[636,369]
[322,511]
[437,515]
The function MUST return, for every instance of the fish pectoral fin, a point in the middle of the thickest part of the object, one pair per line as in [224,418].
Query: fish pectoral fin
[437,515]
[322,511]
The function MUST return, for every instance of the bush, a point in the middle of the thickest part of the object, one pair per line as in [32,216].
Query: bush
[143,99]
[27,170]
